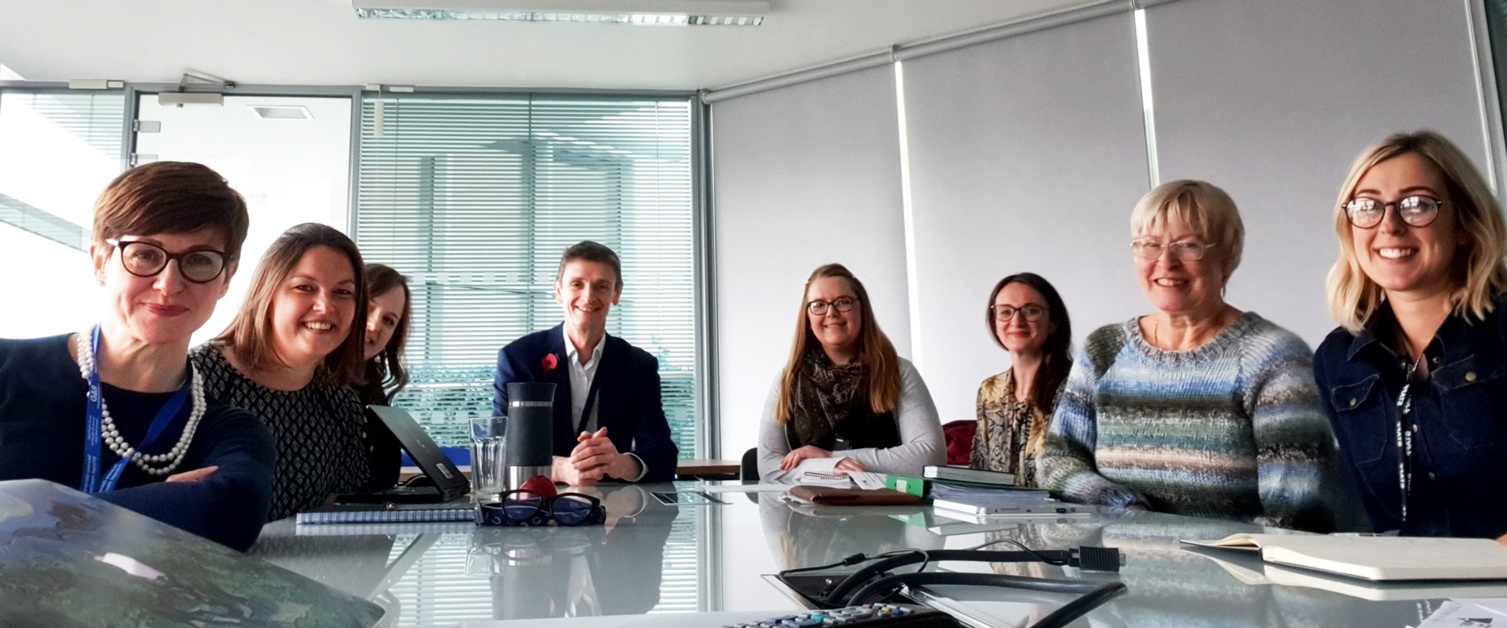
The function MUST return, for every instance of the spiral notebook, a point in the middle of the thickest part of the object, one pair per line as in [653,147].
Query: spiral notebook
[1375,557]
[456,510]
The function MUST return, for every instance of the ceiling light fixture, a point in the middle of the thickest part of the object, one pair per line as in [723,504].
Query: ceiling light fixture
[642,12]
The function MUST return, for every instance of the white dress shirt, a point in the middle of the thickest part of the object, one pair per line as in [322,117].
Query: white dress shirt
[581,376]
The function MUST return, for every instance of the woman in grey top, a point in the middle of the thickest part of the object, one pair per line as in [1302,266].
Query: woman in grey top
[845,392]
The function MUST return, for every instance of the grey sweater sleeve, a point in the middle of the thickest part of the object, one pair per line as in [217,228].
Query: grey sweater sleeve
[917,419]
[920,432]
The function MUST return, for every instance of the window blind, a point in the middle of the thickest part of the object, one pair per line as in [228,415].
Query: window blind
[58,149]
[475,198]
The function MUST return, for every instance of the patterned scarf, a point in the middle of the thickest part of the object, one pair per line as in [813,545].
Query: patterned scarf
[826,395]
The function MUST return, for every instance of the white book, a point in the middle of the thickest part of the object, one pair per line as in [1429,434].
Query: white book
[1268,574]
[1376,557]
[1029,506]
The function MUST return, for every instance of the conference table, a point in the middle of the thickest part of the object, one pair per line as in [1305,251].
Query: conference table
[710,557]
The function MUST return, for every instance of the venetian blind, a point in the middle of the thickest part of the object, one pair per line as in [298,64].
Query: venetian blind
[476,197]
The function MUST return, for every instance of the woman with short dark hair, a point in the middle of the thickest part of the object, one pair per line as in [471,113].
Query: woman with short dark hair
[117,410]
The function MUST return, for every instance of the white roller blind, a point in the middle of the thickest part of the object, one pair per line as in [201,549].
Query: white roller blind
[1273,101]
[475,199]
[1024,157]
[804,175]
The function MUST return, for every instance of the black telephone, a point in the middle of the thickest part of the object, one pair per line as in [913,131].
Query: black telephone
[862,616]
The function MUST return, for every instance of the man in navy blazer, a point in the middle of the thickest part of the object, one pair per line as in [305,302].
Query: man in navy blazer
[609,422]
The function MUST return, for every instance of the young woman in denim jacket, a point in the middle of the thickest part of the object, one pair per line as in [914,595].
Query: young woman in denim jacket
[1415,378]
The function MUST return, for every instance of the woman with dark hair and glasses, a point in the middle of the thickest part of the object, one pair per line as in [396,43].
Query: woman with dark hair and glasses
[293,355]
[1027,319]
[1197,408]
[1415,378]
[845,392]
[117,410]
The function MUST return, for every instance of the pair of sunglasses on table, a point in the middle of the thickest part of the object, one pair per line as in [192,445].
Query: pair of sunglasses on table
[526,507]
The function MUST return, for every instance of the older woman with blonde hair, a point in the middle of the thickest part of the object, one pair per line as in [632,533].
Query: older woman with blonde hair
[845,392]
[1413,378]
[1198,408]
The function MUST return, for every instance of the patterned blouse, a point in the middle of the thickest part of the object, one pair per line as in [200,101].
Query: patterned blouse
[319,432]
[1004,426]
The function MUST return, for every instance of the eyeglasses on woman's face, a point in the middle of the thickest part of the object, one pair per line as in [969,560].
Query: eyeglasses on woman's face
[1031,313]
[1186,250]
[840,304]
[1415,211]
[145,259]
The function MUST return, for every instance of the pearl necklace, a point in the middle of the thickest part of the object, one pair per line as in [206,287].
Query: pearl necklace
[112,437]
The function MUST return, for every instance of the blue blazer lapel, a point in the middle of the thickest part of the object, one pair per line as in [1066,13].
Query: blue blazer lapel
[565,437]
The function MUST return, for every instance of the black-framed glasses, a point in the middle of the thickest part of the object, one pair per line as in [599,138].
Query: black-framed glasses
[1031,313]
[841,304]
[145,259]
[1184,251]
[1415,211]
[520,507]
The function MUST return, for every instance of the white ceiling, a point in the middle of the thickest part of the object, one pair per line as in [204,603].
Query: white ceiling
[321,42]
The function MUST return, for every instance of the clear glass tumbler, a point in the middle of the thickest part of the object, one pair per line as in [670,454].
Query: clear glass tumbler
[487,446]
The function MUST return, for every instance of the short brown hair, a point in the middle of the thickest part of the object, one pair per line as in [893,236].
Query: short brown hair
[249,336]
[591,252]
[1479,273]
[171,197]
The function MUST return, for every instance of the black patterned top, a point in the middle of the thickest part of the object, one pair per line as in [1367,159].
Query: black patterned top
[318,430]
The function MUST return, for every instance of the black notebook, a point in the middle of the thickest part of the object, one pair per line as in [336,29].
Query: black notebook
[460,510]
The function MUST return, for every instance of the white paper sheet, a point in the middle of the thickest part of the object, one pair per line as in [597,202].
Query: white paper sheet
[1480,613]
[746,488]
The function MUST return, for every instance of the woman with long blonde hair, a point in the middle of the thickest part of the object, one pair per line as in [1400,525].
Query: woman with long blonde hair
[845,393]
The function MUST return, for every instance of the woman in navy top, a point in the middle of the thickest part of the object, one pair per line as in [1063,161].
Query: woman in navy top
[1415,379]
[116,410]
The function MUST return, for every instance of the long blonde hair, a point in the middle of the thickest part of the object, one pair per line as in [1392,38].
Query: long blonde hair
[1353,297]
[875,351]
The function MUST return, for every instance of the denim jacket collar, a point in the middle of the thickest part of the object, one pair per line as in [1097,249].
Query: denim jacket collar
[1452,333]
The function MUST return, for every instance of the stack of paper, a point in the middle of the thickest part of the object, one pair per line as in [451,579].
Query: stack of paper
[973,502]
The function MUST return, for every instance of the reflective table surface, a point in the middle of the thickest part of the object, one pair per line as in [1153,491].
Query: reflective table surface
[654,558]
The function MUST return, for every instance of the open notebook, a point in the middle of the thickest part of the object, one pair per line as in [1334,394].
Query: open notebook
[1376,557]
[1248,569]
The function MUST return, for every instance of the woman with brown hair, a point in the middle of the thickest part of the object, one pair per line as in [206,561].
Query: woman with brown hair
[1029,321]
[292,355]
[117,410]
[845,392]
[387,317]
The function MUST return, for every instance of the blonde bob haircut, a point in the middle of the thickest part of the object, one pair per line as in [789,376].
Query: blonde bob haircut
[1197,205]
[875,351]
[1479,273]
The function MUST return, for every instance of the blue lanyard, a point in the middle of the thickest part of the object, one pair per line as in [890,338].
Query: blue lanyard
[93,437]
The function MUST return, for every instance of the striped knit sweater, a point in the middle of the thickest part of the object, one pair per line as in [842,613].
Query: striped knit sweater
[1232,429]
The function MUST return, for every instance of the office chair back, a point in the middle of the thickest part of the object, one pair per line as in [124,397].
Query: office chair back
[750,467]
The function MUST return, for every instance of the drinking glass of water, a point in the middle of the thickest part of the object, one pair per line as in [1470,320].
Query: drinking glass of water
[487,447]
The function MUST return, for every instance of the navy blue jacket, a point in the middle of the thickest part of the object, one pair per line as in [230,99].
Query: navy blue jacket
[1460,440]
[42,419]
[628,398]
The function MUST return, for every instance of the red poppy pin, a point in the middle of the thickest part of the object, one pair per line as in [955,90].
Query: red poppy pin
[550,362]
